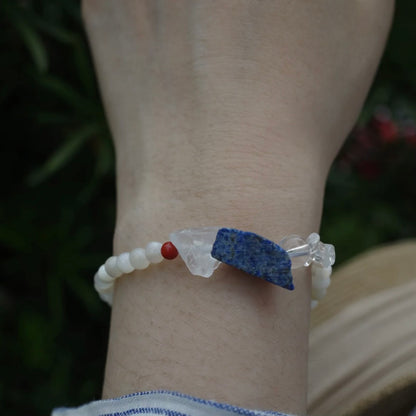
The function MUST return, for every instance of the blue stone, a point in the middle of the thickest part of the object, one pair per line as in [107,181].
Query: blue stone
[255,255]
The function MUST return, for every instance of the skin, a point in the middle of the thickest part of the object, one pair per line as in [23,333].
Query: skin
[230,113]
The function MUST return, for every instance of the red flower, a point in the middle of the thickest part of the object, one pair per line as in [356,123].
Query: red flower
[386,130]
[384,126]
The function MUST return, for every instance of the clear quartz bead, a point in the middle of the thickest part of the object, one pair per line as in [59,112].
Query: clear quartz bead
[331,253]
[313,241]
[319,254]
[298,250]
[324,255]
[194,246]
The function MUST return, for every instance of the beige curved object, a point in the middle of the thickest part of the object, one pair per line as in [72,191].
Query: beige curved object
[363,336]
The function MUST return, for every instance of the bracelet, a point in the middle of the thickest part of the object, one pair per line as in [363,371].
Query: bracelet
[204,249]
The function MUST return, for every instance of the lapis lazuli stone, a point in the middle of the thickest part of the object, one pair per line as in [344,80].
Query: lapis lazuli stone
[255,255]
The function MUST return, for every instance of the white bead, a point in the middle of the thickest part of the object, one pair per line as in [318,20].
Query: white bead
[138,259]
[123,263]
[321,283]
[321,276]
[314,304]
[319,272]
[100,285]
[153,253]
[104,276]
[107,296]
[318,294]
[111,267]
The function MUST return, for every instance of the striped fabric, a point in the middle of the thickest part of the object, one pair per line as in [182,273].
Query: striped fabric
[160,402]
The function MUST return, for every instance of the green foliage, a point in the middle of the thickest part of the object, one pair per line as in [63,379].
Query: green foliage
[57,210]
[361,212]
[57,205]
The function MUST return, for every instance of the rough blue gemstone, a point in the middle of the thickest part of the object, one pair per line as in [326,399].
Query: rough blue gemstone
[255,255]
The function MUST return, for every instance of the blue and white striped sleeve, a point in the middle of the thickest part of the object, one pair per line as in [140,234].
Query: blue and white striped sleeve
[157,403]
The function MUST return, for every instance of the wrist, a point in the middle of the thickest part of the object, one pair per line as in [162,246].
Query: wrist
[261,186]
[277,210]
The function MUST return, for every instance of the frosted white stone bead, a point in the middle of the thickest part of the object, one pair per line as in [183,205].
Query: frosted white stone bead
[99,285]
[107,296]
[321,283]
[138,259]
[297,249]
[318,294]
[123,263]
[111,267]
[153,253]
[320,273]
[314,304]
[194,246]
[104,276]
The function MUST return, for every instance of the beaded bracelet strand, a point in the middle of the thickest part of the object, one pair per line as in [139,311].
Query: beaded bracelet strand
[204,249]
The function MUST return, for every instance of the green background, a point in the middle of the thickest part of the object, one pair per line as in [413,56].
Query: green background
[57,196]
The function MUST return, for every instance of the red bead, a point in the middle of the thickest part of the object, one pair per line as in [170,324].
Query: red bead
[169,251]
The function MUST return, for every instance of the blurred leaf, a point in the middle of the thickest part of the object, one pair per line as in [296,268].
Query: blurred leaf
[83,291]
[34,44]
[62,156]
[66,93]
[56,32]
[50,117]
